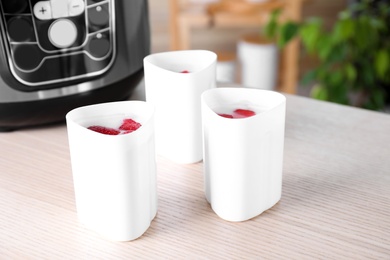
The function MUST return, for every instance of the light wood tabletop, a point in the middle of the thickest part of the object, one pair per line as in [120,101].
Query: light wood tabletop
[335,201]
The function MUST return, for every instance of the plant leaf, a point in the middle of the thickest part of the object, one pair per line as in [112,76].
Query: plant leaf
[376,100]
[310,32]
[351,72]
[325,47]
[309,77]
[288,31]
[378,97]
[382,63]
[319,92]
[343,30]
[271,28]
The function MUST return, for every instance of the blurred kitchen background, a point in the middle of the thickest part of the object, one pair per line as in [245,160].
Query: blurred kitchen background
[224,41]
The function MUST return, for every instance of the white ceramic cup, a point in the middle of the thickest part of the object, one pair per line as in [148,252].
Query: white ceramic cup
[114,175]
[176,96]
[226,71]
[259,64]
[243,157]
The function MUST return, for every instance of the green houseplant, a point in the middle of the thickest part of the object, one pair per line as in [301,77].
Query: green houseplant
[354,55]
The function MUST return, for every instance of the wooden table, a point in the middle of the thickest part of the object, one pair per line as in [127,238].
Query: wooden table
[335,202]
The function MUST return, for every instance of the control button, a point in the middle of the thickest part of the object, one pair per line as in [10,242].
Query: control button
[15,6]
[27,56]
[52,68]
[98,17]
[42,10]
[20,29]
[99,46]
[76,7]
[62,33]
[59,8]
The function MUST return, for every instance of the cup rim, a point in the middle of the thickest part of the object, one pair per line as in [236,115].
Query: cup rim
[167,60]
[76,115]
[281,99]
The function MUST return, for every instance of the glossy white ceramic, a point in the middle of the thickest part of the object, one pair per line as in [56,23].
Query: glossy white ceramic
[114,175]
[226,71]
[259,64]
[243,157]
[176,96]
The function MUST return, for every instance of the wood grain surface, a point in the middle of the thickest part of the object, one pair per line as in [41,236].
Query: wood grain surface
[335,202]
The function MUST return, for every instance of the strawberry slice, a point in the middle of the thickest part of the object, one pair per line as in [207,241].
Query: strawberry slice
[244,113]
[104,130]
[129,125]
[184,71]
[226,115]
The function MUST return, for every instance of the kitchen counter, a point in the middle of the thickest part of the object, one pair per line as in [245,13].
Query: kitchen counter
[335,200]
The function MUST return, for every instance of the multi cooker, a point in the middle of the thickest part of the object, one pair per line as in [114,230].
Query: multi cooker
[56,55]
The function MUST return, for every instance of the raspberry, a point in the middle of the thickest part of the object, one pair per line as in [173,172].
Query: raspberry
[243,113]
[129,125]
[104,130]
[226,115]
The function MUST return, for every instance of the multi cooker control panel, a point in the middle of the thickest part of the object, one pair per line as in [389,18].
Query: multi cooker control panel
[56,41]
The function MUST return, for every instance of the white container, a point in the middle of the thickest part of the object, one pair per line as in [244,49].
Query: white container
[176,96]
[226,67]
[114,175]
[226,71]
[243,158]
[259,63]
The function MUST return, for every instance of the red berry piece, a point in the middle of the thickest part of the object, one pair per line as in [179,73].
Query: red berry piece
[184,71]
[129,125]
[226,115]
[244,113]
[104,130]
[126,132]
